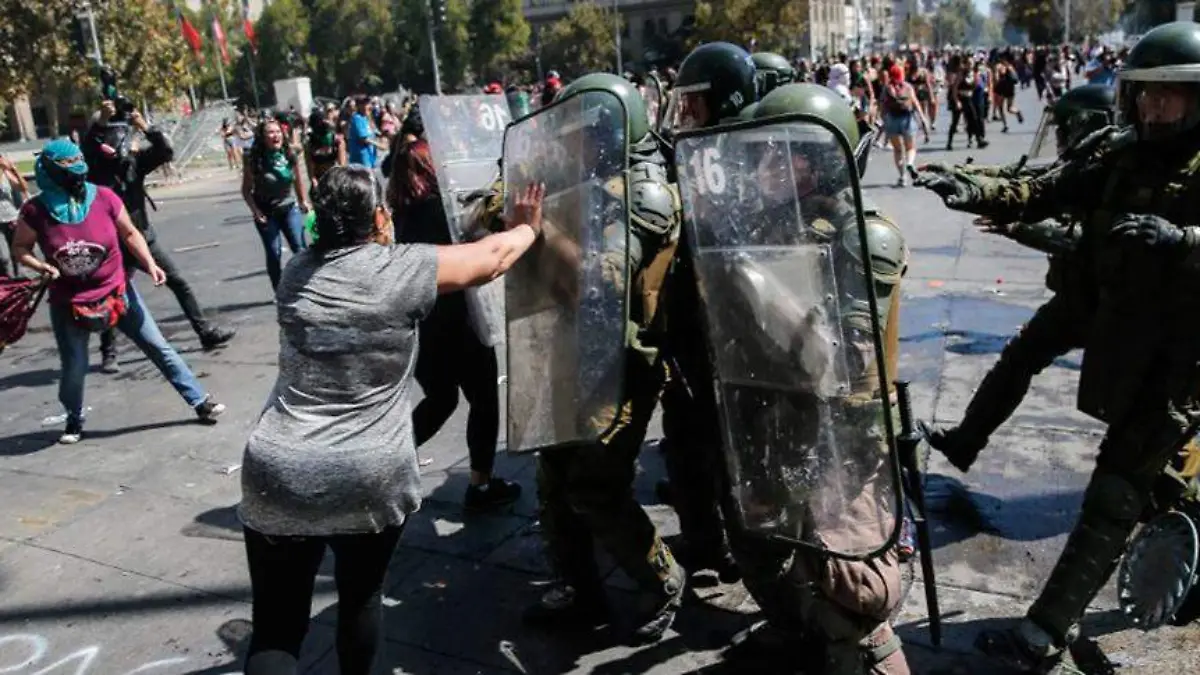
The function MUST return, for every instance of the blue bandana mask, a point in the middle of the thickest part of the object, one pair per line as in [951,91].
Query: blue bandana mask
[61,175]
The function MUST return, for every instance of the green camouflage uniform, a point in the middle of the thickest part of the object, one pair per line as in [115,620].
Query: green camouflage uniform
[1142,359]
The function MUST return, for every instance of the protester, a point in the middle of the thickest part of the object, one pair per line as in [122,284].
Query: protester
[332,460]
[452,357]
[272,172]
[79,228]
[13,193]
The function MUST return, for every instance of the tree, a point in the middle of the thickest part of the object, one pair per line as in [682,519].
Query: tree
[1045,19]
[283,33]
[350,49]
[582,41]
[138,39]
[952,21]
[501,34]
[142,42]
[411,63]
[774,25]
[992,34]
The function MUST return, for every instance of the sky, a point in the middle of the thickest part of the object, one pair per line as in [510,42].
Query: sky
[984,6]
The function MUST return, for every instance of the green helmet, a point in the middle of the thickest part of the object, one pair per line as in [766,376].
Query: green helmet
[1082,110]
[747,113]
[635,105]
[1167,55]
[812,99]
[720,74]
[773,71]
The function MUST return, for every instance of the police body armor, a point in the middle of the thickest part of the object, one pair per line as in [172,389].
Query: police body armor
[794,333]
[567,298]
[1129,331]
[465,135]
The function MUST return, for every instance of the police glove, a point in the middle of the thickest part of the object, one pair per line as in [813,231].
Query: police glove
[947,186]
[1149,230]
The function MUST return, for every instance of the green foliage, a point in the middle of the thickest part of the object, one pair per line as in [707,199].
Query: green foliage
[582,41]
[500,35]
[1045,19]
[349,45]
[952,21]
[775,24]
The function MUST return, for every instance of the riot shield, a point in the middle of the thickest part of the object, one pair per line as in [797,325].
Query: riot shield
[652,92]
[794,333]
[566,297]
[1045,140]
[465,135]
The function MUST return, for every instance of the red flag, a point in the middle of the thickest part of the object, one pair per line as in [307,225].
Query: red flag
[248,27]
[219,36]
[191,35]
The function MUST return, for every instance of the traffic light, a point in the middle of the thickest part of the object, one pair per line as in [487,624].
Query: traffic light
[438,7]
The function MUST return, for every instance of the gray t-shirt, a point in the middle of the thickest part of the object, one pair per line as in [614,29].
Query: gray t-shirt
[334,452]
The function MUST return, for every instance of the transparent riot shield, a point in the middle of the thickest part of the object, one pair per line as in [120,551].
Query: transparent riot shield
[466,134]
[655,97]
[1045,140]
[566,297]
[776,225]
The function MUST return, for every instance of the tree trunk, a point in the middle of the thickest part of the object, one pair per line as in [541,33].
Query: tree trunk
[50,101]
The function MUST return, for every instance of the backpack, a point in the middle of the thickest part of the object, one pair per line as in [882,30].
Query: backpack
[897,99]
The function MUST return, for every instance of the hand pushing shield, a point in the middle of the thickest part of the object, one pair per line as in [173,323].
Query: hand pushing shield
[777,234]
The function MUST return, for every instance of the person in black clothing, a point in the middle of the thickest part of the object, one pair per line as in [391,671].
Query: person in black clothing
[450,357]
[115,162]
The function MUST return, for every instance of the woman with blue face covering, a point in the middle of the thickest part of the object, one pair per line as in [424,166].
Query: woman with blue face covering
[79,228]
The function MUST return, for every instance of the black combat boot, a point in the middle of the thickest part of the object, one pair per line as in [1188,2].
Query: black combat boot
[959,447]
[659,604]
[212,338]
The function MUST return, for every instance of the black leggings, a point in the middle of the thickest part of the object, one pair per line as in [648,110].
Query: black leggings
[282,573]
[451,358]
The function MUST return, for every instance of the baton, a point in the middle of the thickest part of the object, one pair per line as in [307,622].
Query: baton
[907,443]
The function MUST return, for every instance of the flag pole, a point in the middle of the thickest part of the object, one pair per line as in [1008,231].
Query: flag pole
[253,78]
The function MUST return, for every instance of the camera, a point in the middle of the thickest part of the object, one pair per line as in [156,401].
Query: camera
[108,91]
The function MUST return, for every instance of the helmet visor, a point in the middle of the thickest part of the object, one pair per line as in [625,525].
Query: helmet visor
[688,108]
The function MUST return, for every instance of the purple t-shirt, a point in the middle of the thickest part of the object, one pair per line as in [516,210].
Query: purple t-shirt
[87,253]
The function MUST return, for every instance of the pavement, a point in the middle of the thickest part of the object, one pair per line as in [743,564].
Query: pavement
[122,554]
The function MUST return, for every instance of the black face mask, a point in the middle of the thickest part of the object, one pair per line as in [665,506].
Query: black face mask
[74,184]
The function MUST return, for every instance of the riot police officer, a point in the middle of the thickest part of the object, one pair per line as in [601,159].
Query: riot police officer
[772,71]
[1134,190]
[715,82]
[839,606]
[584,490]
[1057,326]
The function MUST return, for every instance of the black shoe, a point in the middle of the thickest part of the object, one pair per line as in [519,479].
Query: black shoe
[719,560]
[216,337]
[563,608]
[496,493]
[108,364]
[73,433]
[209,411]
[959,449]
[658,608]
[982,143]
[1020,118]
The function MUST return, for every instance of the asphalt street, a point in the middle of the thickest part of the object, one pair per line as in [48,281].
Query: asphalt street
[122,554]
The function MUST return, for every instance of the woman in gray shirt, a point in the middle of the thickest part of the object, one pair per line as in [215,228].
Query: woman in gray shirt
[332,460]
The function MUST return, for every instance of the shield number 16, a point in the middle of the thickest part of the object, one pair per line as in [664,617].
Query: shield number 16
[492,117]
[709,176]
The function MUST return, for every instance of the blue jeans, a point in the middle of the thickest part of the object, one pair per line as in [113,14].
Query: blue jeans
[138,326]
[291,226]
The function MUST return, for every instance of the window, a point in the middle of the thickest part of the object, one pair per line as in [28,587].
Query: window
[648,28]
[625,29]
[662,26]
